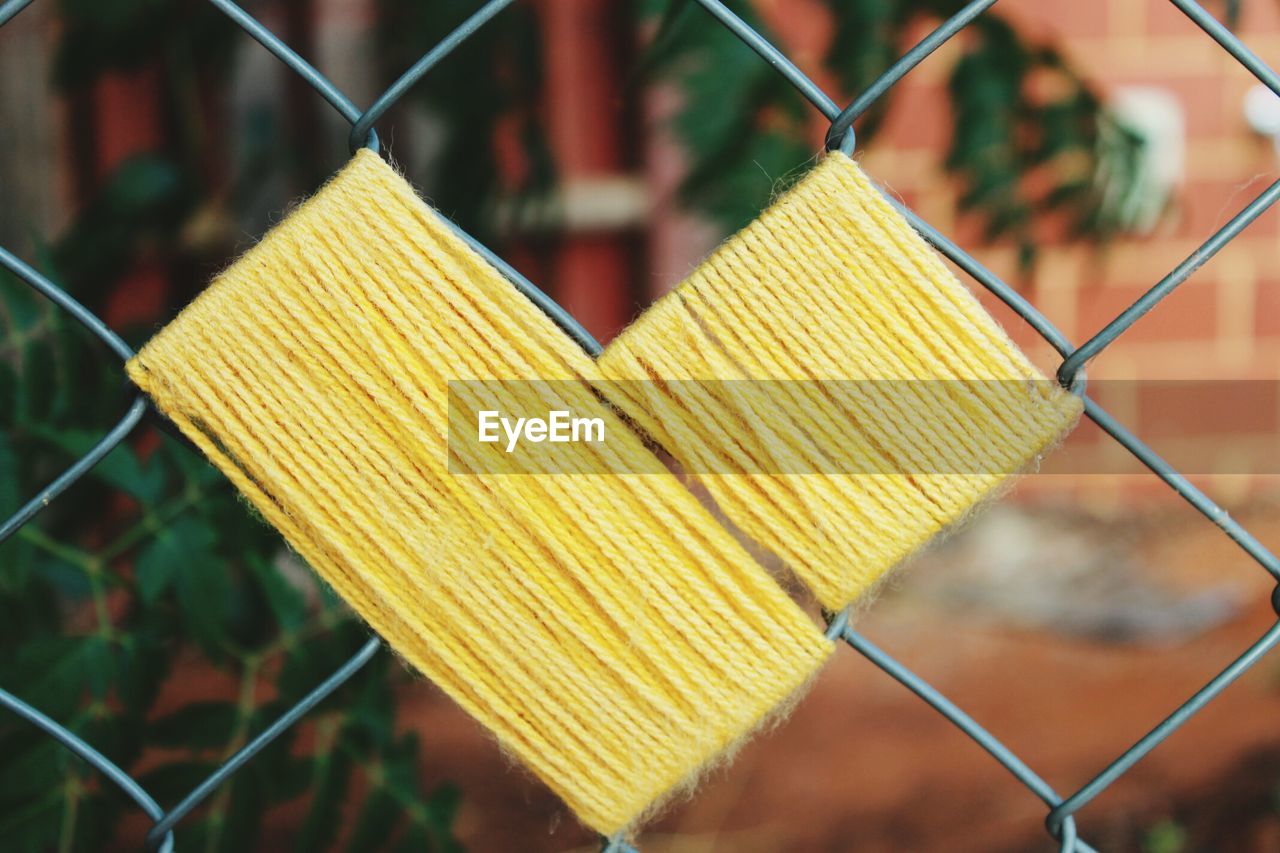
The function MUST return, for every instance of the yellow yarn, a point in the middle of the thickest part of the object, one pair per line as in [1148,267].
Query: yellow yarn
[840,479]
[608,632]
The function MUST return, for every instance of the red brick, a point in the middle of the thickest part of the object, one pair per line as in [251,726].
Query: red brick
[1189,313]
[1267,309]
[1259,18]
[1206,408]
[1163,18]
[1205,206]
[1089,18]
[920,117]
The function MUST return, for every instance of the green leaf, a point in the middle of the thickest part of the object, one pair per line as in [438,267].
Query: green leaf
[32,824]
[442,813]
[143,664]
[29,611]
[1167,836]
[286,775]
[96,817]
[181,558]
[145,199]
[742,125]
[414,839]
[330,780]
[310,663]
[70,580]
[10,497]
[9,395]
[192,468]
[285,600]
[204,598]
[245,812]
[20,306]
[39,382]
[378,816]
[432,824]
[243,819]
[100,664]
[199,725]
[169,783]
[121,468]
[370,714]
[49,673]
[866,41]
[29,767]
[185,545]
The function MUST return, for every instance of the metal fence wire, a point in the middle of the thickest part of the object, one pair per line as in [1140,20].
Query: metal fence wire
[1060,818]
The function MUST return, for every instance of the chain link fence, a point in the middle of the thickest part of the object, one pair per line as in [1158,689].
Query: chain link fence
[1060,820]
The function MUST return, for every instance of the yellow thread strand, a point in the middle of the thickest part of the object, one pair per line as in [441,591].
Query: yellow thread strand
[831,283]
[611,635]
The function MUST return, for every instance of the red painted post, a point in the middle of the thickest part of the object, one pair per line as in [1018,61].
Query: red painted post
[591,271]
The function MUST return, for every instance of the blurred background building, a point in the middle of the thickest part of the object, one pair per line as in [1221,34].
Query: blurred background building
[603,148]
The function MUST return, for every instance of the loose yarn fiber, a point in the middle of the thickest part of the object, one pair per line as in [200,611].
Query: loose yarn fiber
[601,625]
[839,474]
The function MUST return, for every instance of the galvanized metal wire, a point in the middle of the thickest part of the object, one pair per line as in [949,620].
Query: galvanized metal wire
[1060,820]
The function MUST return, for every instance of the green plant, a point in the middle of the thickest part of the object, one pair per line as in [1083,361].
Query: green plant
[1018,109]
[1166,836]
[490,85]
[145,608]
[150,567]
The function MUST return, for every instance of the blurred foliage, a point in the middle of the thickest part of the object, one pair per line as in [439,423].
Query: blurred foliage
[1019,112]
[149,574]
[742,125]
[145,609]
[127,35]
[492,80]
[1167,836]
[1030,139]
[1231,13]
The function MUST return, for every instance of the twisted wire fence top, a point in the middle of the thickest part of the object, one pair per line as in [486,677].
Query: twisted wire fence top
[1060,817]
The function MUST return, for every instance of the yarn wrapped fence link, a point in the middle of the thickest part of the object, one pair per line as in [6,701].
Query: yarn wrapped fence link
[1061,809]
[831,282]
[300,373]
